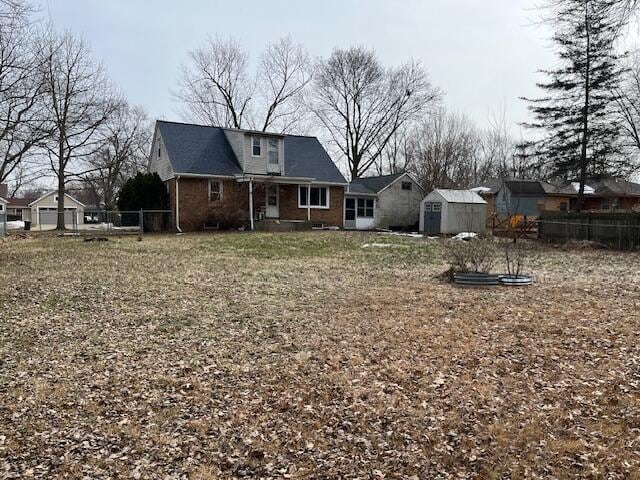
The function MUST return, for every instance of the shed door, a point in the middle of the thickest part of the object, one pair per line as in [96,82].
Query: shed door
[432,217]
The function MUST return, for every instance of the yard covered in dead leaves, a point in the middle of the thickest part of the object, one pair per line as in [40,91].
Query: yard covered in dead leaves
[306,355]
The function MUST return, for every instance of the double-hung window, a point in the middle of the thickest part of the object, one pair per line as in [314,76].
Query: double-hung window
[318,197]
[256,146]
[215,191]
[273,151]
[365,207]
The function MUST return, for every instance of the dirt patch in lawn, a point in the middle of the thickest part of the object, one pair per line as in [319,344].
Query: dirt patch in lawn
[308,356]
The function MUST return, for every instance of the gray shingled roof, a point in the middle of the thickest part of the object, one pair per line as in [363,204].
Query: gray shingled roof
[198,149]
[204,150]
[614,187]
[305,157]
[372,184]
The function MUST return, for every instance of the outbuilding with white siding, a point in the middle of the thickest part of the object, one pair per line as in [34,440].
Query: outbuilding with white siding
[450,212]
[44,210]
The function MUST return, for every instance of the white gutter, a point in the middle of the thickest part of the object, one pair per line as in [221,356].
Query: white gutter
[178,205]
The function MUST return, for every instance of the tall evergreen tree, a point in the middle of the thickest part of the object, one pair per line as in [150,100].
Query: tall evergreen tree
[579,138]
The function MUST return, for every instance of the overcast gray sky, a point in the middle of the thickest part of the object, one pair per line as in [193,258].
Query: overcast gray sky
[482,53]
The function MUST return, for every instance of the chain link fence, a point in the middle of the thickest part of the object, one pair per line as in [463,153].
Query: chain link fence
[93,223]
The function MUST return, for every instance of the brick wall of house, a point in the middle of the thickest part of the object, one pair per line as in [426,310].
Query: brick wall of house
[195,208]
[552,203]
[332,216]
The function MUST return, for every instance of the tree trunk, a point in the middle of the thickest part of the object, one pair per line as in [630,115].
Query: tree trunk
[585,115]
[60,219]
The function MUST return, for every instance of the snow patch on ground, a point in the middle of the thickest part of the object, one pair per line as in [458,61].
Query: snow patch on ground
[465,236]
[15,225]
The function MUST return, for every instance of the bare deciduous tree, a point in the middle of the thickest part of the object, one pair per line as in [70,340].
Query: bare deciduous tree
[216,88]
[628,108]
[21,88]
[362,104]
[77,102]
[285,71]
[127,139]
[443,151]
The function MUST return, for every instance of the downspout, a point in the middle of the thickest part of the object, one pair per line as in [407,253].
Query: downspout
[309,202]
[178,205]
[251,202]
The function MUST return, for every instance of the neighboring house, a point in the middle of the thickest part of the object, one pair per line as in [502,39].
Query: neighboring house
[18,208]
[44,210]
[217,176]
[453,211]
[609,194]
[388,201]
[531,197]
[527,198]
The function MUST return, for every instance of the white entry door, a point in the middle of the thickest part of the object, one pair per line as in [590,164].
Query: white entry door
[273,201]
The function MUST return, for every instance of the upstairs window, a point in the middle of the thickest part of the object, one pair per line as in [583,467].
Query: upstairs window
[256,146]
[215,191]
[273,151]
[406,185]
[318,197]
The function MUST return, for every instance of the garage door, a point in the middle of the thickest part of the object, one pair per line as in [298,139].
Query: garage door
[49,216]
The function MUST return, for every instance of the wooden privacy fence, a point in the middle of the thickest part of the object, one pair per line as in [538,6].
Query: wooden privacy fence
[615,230]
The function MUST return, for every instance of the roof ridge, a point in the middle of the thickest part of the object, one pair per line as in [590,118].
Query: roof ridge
[190,124]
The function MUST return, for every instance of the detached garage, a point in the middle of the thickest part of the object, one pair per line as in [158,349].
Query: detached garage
[453,211]
[44,211]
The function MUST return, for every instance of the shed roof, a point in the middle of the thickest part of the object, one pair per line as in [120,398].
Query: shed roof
[459,196]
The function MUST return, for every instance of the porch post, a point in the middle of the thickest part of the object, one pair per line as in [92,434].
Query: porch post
[251,202]
[308,202]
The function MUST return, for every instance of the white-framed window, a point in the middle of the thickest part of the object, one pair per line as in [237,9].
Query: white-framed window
[256,146]
[427,207]
[1,207]
[437,207]
[215,191]
[406,185]
[55,199]
[365,207]
[272,145]
[318,196]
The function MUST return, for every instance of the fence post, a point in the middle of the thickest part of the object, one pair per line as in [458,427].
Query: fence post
[140,225]
[588,227]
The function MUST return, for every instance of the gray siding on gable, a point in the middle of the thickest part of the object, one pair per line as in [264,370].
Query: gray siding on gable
[236,141]
[160,164]
[258,164]
[397,207]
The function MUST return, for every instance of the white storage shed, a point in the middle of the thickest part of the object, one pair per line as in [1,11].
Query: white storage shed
[453,211]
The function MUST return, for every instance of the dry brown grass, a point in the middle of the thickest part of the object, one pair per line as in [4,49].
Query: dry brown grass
[308,356]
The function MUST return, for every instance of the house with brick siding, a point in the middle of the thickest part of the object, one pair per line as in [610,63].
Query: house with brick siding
[267,181]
